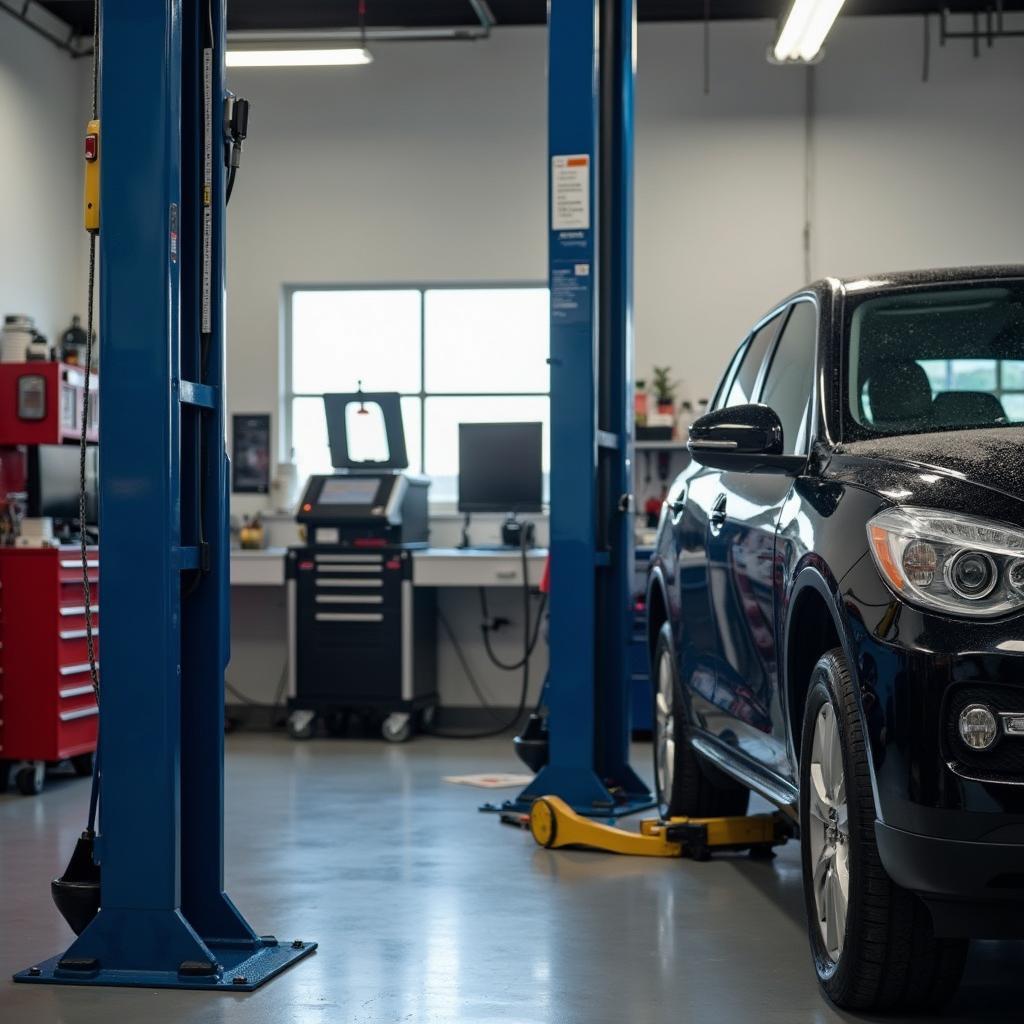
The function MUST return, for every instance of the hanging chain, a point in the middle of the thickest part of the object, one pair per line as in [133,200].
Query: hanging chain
[90,641]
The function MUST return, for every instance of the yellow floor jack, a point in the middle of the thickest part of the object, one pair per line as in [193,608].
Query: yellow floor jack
[554,824]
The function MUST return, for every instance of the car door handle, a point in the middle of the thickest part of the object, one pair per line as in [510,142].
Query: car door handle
[718,512]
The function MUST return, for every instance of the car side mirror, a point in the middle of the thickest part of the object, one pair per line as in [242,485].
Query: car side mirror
[743,439]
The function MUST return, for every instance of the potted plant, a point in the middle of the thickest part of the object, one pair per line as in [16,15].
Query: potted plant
[665,390]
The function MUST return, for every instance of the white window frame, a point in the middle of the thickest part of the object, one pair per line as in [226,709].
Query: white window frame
[288,394]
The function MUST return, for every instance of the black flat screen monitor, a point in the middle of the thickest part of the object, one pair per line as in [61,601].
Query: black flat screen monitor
[500,467]
[53,482]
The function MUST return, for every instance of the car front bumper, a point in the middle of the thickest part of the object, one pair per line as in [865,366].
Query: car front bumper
[973,889]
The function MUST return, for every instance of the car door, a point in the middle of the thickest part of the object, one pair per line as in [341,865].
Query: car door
[741,554]
[691,508]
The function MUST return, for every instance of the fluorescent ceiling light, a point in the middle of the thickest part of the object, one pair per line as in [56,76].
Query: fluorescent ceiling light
[298,57]
[804,32]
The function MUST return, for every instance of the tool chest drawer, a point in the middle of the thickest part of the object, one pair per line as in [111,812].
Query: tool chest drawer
[70,569]
[50,711]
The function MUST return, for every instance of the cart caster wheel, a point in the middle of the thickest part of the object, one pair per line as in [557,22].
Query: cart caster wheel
[397,727]
[301,725]
[83,765]
[31,778]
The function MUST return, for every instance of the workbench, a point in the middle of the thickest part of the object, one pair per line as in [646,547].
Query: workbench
[260,612]
[432,567]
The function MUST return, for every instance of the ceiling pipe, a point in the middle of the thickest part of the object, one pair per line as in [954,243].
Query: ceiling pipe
[81,46]
[484,15]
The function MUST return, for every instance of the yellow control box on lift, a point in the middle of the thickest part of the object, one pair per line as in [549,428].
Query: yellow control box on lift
[92,176]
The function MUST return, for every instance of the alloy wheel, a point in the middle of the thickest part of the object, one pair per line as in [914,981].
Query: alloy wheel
[829,832]
[665,728]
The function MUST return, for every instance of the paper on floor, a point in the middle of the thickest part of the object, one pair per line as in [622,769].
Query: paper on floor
[490,780]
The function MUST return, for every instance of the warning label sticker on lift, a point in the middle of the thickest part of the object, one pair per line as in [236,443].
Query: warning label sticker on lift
[570,292]
[570,193]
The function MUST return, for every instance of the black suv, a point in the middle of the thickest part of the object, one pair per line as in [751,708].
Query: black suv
[836,617]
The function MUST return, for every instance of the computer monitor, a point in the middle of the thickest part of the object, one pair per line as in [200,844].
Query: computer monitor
[500,467]
[53,471]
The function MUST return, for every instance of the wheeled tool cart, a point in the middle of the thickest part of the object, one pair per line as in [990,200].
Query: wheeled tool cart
[48,711]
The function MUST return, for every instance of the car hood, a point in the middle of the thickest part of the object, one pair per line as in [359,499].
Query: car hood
[951,468]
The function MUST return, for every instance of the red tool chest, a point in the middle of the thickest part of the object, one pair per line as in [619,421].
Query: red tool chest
[41,403]
[48,711]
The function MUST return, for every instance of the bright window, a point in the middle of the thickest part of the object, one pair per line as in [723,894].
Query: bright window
[456,355]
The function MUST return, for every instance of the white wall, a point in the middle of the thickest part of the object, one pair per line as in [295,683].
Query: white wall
[430,165]
[913,174]
[42,243]
[719,195]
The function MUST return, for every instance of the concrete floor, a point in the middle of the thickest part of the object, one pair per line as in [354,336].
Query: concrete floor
[427,911]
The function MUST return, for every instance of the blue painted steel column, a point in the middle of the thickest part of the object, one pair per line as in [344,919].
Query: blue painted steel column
[206,612]
[590,237]
[140,835]
[164,919]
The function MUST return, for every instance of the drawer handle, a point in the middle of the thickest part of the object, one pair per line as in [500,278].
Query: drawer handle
[70,716]
[337,570]
[75,670]
[77,634]
[349,617]
[350,583]
[507,574]
[349,599]
[349,559]
[75,691]
[78,609]
[76,563]
[77,581]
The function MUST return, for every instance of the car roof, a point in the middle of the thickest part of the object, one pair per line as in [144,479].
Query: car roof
[876,283]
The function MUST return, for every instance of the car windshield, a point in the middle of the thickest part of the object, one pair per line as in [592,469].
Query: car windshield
[936,359]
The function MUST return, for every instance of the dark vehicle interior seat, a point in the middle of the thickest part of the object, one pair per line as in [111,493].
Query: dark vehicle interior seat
[967,409]
[900,396]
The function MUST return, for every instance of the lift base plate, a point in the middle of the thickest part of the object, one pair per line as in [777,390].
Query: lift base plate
[254,967]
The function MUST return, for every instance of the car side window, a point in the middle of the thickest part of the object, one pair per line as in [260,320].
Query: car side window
[718,399]
[790,378]
[741,391]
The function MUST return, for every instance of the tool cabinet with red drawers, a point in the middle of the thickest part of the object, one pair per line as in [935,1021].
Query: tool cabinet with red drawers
[48,711]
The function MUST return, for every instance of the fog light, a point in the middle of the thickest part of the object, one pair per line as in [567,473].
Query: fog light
[978,727]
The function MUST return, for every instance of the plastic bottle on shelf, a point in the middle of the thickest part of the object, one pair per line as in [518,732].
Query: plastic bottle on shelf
[16,337]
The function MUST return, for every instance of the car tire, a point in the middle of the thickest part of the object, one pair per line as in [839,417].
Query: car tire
[872,943]
[686,786]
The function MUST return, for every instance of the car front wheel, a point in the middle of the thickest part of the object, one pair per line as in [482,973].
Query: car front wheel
[872,941]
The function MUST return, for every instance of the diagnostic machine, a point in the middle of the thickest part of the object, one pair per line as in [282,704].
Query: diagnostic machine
[361,638]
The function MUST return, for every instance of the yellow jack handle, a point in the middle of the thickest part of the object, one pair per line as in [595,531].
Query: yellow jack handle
[92,176]
[554,824]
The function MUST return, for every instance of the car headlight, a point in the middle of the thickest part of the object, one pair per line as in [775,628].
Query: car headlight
[951,563]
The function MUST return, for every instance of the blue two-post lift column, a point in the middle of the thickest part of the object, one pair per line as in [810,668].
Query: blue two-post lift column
[591,78]
[165,919]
